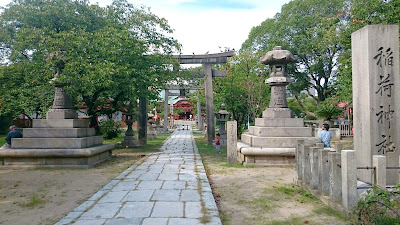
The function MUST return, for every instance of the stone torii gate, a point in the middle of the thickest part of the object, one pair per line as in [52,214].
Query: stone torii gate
[206,60]
[167,93]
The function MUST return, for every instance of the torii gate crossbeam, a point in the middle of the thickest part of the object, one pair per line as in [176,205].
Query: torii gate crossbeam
[207,60]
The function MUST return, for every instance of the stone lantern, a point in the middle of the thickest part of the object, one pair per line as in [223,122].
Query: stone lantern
[130,140]
[273,139]
[222,117]
[151,129]
[62,107]
[277,59]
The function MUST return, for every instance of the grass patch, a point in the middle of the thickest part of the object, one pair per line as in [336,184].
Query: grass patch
[291,220]
[224,218]
[209,152]
[34,201]
[330,212]
[237,165]
[263,204]
[295,192]
[153,145]
[115,140]
[2,140]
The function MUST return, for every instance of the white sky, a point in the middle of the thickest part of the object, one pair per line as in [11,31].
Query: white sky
[205,25]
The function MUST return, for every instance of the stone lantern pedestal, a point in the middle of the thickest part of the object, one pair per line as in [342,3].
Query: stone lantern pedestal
[223,114]
[273,139]
[151,127]
[59,141]
[130,140]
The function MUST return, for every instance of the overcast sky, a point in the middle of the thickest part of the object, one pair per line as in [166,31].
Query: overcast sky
[205,25]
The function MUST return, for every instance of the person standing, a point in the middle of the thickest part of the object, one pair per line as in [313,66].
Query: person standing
[14,133]
[325,136]
[218,143]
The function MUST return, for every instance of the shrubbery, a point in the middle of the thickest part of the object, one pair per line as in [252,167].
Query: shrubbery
[379,206]
[110,129]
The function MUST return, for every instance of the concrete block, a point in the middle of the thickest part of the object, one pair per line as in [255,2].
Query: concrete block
[314,156]
[379,162]
[279,122]
[58,132]
[307,165]
[272,113]
[56,143]
[60,123]
[349,179]
[323,170]
[62,114]
[281,131]
[300,159]
[335,176]
[276,142]
[55,158]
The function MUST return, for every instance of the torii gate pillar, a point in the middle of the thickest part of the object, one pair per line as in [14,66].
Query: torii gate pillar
[207,60]
[209,103]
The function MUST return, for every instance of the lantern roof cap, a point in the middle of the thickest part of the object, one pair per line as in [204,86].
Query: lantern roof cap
[223,110]
[278,56]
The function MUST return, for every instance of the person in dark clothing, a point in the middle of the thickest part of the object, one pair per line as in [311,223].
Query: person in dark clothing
[14,133]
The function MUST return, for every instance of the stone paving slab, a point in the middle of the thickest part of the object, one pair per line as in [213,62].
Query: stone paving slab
[167,188]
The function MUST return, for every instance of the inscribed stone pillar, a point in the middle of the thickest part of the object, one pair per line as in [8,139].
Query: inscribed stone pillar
[165,125]
[232,142]
[209,104]
[142,121]
[376,96]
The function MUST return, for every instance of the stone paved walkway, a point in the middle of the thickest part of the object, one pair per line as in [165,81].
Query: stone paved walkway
[168,188]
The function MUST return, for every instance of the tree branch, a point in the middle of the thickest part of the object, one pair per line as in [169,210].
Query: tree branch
[302,106]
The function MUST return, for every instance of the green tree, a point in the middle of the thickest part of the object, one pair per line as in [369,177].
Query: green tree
[358,14]
[112,54]
[243,91]
[308,28]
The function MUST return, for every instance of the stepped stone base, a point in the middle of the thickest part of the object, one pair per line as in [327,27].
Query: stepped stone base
[56,143]
[273,139]
[54,158]
[254,156]
[58,132]
[276,142]
[281,131]
[130,142]
[279,122]
[59,142]
[60,123]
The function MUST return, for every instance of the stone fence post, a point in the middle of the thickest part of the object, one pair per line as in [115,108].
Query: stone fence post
[349,179]
[314,168]
[299,159]
[232,142]
[323,170]
[379,162]
[335,176]
[307,165]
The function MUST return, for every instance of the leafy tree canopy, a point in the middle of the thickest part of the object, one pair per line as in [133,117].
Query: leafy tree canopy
[110,55]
